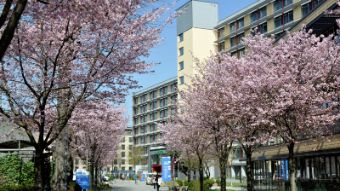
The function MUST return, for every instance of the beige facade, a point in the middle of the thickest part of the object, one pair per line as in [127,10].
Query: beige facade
[121,161]
[271,17]
[197,44]
[195,38]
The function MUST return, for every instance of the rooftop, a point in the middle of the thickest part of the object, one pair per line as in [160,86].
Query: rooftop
[155,86]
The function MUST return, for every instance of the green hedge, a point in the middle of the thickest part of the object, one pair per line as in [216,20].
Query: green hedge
[18,188]
[16,174]
[195,185]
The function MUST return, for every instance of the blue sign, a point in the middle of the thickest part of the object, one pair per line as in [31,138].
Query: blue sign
[83,181]
[284,169]
[166,169]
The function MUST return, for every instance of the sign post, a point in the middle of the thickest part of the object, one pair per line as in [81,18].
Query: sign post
[166,169]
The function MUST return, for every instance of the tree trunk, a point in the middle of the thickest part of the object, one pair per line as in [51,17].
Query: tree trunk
[249,170]
[92,186]
[8,33]
[292,167]
[201,173]
[189,175]
[96,176]
[223,166]
[42,170]
[62,161]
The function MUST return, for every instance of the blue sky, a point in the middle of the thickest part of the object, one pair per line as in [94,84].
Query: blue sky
[165,52]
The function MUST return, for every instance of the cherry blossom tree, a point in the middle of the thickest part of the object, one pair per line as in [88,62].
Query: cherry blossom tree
[301,85]
[188,140]
[288,89]
[98,129]
[67,52]
[205,107]
[240,103]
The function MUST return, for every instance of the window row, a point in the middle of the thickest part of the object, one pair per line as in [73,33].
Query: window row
[153,95]
[144,129]
[258,14]
[283,19]
[279,4]
[262,12]
[153,116]
[309,7]
[146,139]
[123,146]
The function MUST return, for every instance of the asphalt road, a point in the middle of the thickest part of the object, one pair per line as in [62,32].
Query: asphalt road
[119,185]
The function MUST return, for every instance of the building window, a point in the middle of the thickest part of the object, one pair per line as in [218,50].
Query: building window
[221,46]
[237,25]
[123,154]
[135,100]
[279,4]
[153,127]
[164,113]
[258,14]
[153,116]
[130,147]
[153,95]
[123,162]
[173,87]
[181,51]
[262,28]
[143,129]
[123,147]
[173,99]
[284,19]
[238,53]
[154,104]
[220,33]
[130,139]
[181,38]
[163,102]
[309,7]
[236,40]
[136,120]
[143,108]
[181,80]
[181,65]
[163,91]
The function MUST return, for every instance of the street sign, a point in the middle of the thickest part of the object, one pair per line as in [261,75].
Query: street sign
[284,169]
[166,169]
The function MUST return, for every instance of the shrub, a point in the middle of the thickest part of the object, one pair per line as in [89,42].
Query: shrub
[209,182]
[18,188]
[195,185]
[179,182]
[16,173]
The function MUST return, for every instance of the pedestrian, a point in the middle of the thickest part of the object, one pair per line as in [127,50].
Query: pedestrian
[135,177]
[159,182]
[154,181]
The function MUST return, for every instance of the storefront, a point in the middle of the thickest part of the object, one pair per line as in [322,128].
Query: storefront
[314,173]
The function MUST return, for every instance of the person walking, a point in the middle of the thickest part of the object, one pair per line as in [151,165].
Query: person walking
[159,182]
[135,177]
[154,181]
